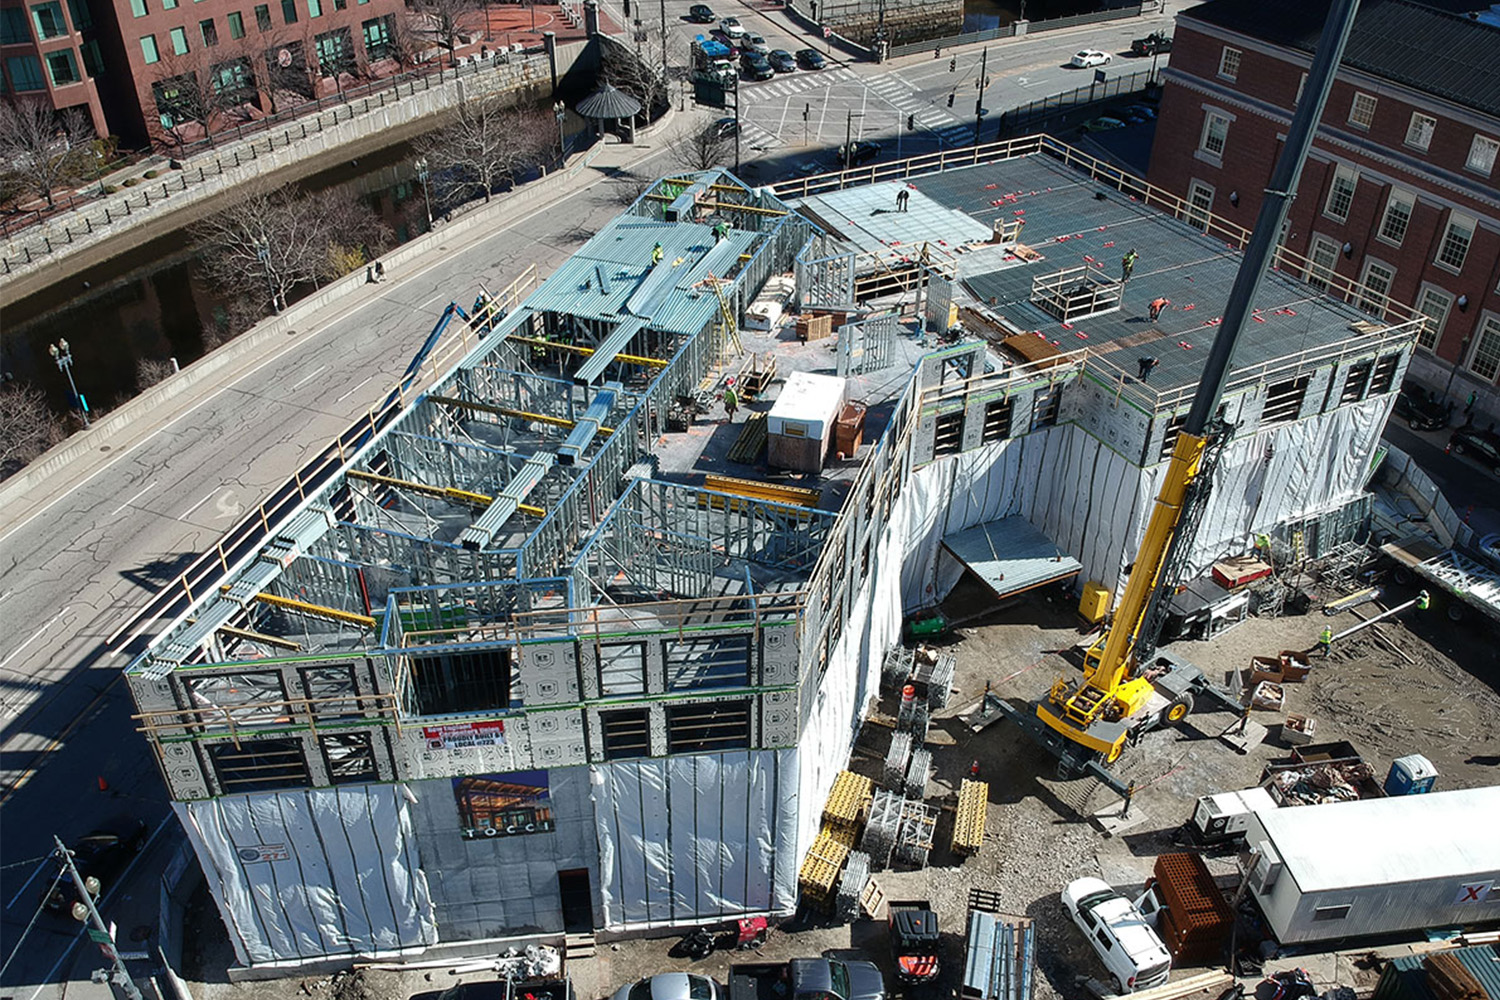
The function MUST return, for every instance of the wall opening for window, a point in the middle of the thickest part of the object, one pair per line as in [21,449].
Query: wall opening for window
[1356,381]
[948,439]
[997,416]
[1045,405]
[350,757]
[1454,249]
[1434,303]
[709,727]
[333,688]
[259,765]
[622,668]
[1215,134]
[1398,209]
[1284,400]
[1482,153]
[627,733]
[243,698]
[1341,193]
[1362,111]
[450,683]
[1229,63]
[1384,375]
[1420,130]
[1323,260]
[1375,289]
[713,662]
[1200,205]
[1332,912]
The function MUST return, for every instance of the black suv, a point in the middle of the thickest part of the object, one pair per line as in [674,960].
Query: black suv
[756,66]
[700,13]
[1151,44]
[1421,412]
[1480,447]
[858,152]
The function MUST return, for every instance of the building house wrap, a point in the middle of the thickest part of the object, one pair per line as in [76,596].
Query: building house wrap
[501,661]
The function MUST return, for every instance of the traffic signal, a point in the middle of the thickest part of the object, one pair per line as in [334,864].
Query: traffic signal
[953,64]
[911,123]
[950,100]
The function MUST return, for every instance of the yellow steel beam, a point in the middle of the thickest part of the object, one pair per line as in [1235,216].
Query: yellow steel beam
[316,610]
[505,411]
[269,640]
[480,500]
[634,359]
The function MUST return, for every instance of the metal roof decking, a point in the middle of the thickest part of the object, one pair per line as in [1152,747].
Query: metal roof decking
[479,534]
[570,452]
[604,355]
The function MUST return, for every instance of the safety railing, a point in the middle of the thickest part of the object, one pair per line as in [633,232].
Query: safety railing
[1009,31]
[258,718]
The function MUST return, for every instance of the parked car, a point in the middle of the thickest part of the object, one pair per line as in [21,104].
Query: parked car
[1101,124]
[732,27]
[782,61]
[1153,43]
[1480,447]
[1415,405]
[810,59]
[858,152]
[101,854]
[702,13]
[1121,937]
[725,128]
[1146,112]
[755,43]
[1089,57]
[670,986]
[756,66]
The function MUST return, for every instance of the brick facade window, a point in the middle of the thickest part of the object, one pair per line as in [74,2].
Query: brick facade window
[1398,209]
[1323,257]
[1482,155]
[179,41]
[1485,361]
[1377,282]
[379,37]
[1454,249]
[62,67]
[1433,303]
[149,50]
[1229,63]
[1200,204]
[210,32]
[49,20]
[138,8]
[1341,193]
[263,17]
[1419,132]
[1215,134]
[1362,111]
[236,24]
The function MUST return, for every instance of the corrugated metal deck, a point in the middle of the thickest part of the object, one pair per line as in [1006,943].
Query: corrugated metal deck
[1010,555]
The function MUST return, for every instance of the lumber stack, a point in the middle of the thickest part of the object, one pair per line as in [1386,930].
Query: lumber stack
[751,442]
[1447,979]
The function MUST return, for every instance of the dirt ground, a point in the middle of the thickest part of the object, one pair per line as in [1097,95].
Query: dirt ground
[1443,703]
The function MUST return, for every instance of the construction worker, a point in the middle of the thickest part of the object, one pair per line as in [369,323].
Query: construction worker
[1157,305]
[721,231]
[731,402]
[1144,366]
[657,253]
[1424,600]
[1127,264]
[1325,641]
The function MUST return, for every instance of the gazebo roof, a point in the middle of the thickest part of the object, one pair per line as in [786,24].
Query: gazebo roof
[608,102]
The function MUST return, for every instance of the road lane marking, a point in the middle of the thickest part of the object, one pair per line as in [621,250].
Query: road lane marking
[17,651]
[41,867]
[357,387]
[310,376]
[133,499]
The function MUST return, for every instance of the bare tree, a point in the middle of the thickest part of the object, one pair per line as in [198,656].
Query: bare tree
[485,143]
[274,240]
[703,149]
[45,147]
[149,371]
[27,427]
[444,20]
[196,90]
[639,73]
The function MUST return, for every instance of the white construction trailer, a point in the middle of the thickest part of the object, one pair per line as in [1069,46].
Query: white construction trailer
[1377,867]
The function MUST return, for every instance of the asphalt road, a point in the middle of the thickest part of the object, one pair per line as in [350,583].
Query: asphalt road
[77,569]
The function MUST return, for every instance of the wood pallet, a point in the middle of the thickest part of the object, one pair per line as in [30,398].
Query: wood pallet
[968,822]
[847,801]
[751,442]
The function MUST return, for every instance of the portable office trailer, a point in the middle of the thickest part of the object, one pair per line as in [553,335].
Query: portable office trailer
[1377,866]
[800,425]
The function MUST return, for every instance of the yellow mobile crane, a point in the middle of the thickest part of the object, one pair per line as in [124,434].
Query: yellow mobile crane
[1128,685]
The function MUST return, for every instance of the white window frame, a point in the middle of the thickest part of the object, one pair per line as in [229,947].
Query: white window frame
[1301,86]
[1397,196]
[1420,130]
[1483,152]
[1199,216]
[1433,332]
[1209,117]
[1315,269]
[1456,220]
[1362,110]
[1229,63]
[1370,303]
[1489,326]
[1341,171]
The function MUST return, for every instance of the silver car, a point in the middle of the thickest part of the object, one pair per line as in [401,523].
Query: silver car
[670,986]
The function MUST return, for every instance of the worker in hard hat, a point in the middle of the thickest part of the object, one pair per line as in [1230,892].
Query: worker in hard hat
[657,253]
[1325,641]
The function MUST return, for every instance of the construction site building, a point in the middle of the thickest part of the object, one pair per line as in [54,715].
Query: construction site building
[514,656]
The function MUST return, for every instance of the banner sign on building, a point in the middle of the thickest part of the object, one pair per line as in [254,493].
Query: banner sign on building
[464,735]
[503,805]
[263,852]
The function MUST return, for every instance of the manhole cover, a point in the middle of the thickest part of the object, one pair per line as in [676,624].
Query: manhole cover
[105,447]
[442,248]
[291,333]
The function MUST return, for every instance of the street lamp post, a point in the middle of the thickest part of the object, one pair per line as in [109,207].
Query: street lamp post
[263,254]
[561,111]
[63,355]
[421,166]
[88,913]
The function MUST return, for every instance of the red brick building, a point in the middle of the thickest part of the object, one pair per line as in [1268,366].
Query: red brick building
[1401,191]
[163,70]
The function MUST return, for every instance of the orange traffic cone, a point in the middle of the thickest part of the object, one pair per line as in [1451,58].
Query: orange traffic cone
[103,785]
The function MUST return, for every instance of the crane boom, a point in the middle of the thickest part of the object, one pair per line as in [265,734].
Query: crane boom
[1094,713]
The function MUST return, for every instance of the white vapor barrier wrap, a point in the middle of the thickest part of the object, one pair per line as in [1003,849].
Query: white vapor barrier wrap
[1094,503]
[310,873]
[694,839]
[852,677]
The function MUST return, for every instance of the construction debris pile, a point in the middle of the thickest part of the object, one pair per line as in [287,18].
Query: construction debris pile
[1323,783]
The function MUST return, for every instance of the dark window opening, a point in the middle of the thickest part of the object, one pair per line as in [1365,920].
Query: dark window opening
[1284,401]
[259,765]
[949,436]
[622,669]
[332,690]
[1045,405]
[709,727]
[696,664]
[335,52]
[1355,382]
[263,17]
[350,757]
[289,11]
[1332,912]
[447,684]
[997,414]
[1384,376]
[627,734]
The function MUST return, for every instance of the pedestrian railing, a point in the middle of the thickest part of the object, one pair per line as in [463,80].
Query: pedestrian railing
[1026,115]
[1009,30]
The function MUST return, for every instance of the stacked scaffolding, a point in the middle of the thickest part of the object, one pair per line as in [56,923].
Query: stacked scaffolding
[932,673]
[852,886]
[915,835]
[914,716]
[895,669]
[896,760]
[917,772]
[881,827]
[968,821]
